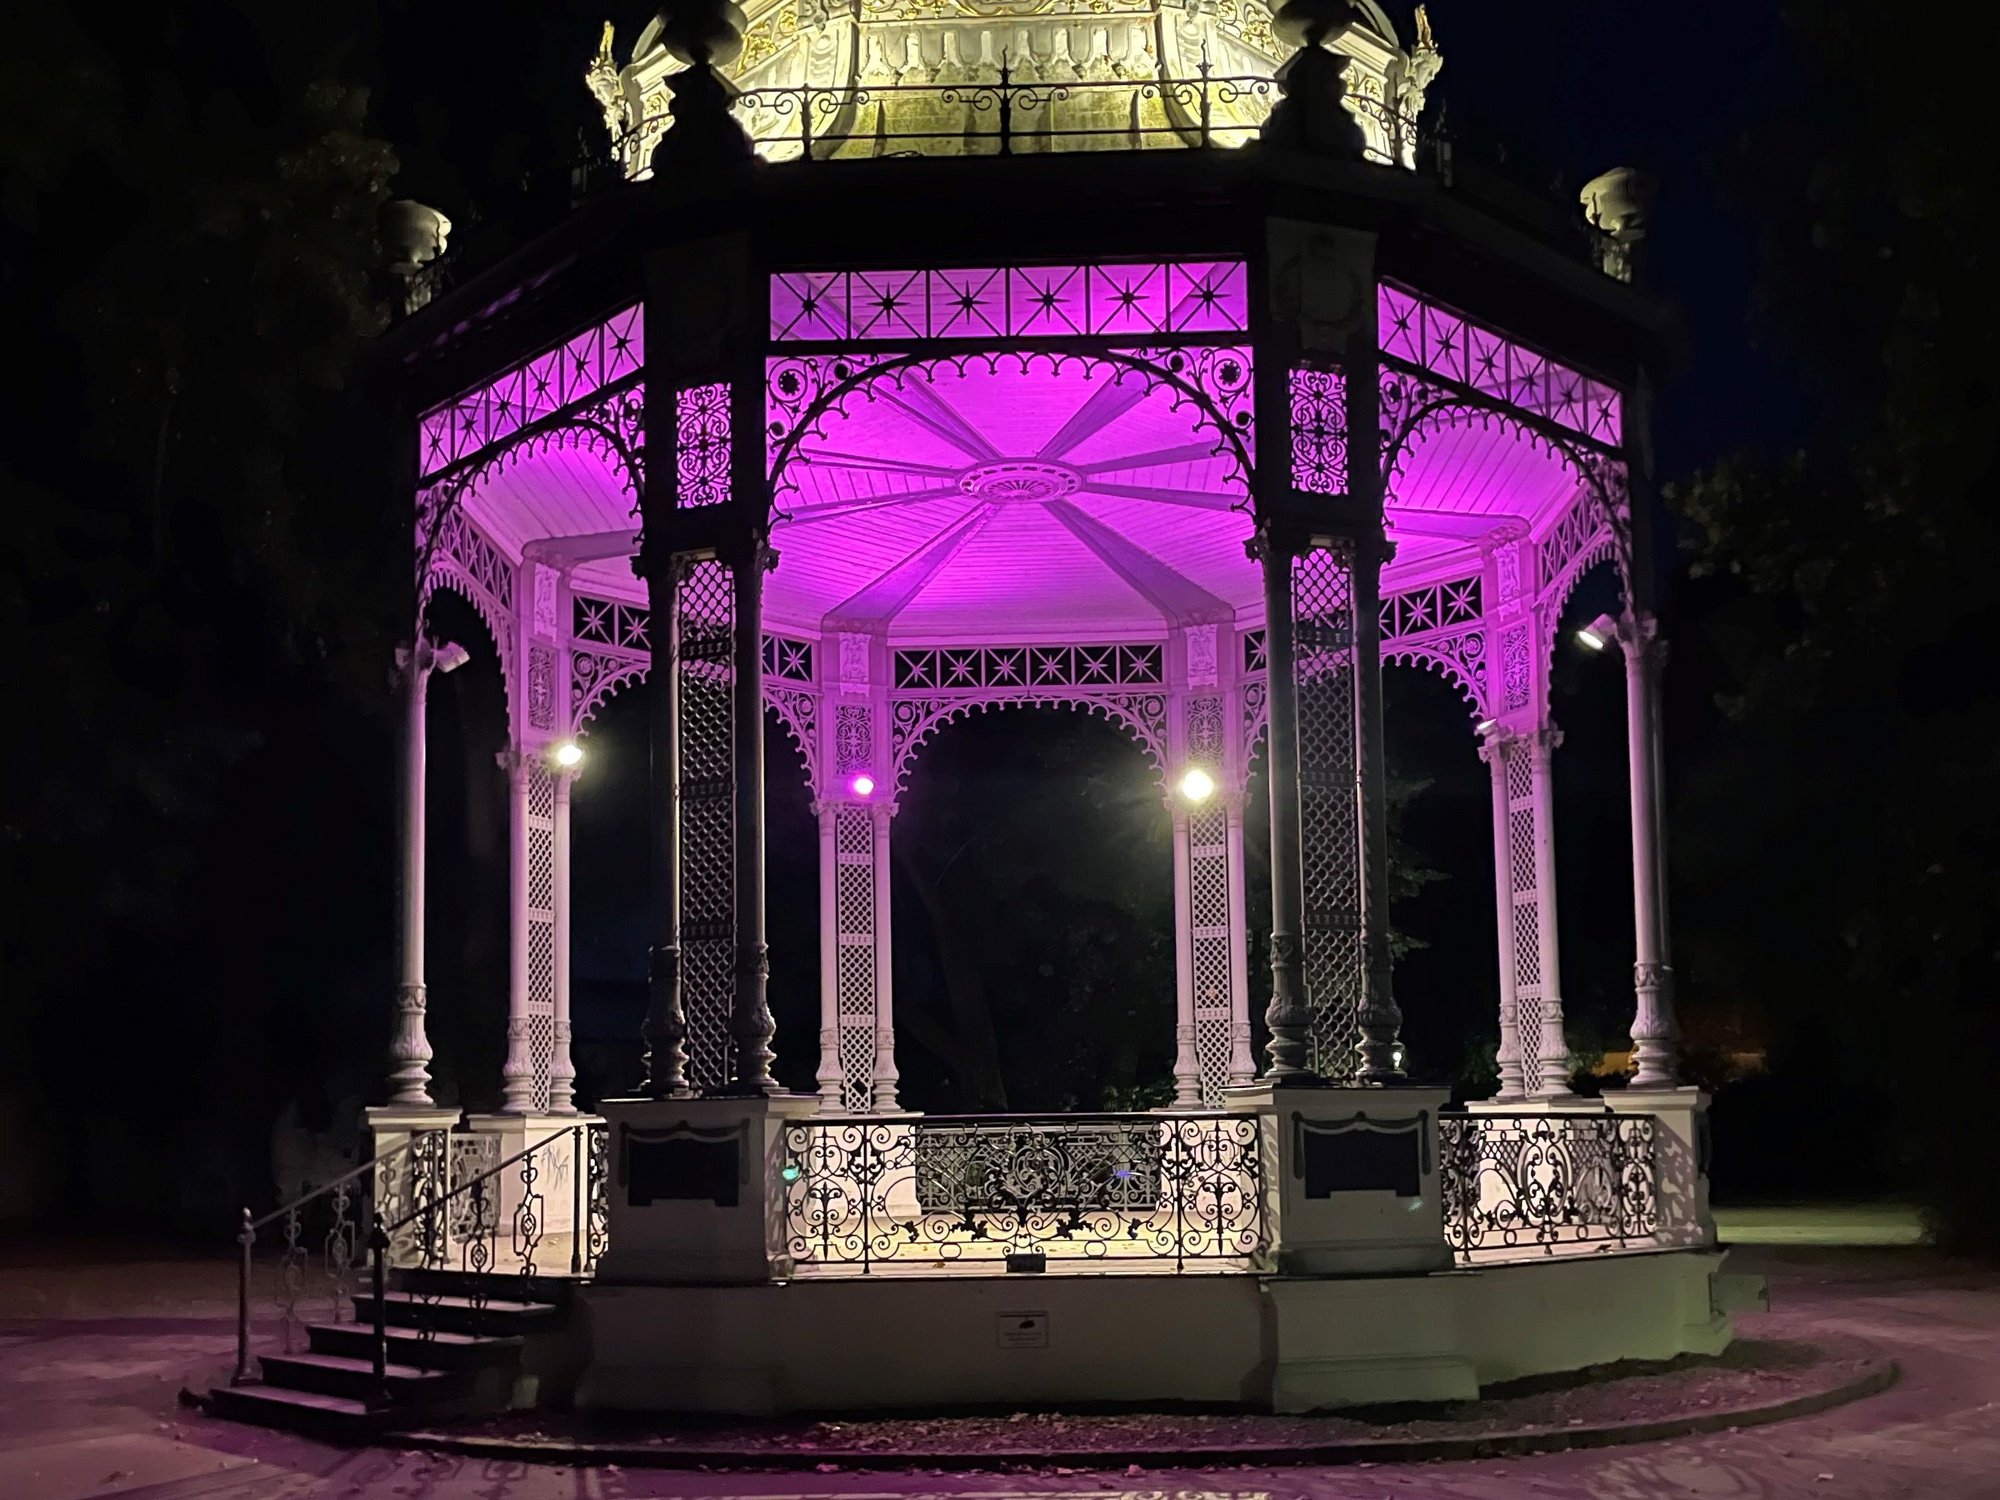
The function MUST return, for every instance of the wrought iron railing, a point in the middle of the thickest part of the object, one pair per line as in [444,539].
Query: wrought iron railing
[1170,1192]
[1522,1187]
[1008,116]
[438,1201]
[318,1241]
[553,1188]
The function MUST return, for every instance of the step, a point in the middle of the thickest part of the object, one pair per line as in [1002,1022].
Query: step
[494,1315]
[354,1376]
[446,1349]
[298,1411]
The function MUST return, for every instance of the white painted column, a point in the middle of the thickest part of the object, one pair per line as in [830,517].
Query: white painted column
[887,1079]
[1551,1077]
[410,1048]
[830,1071]
[1654,1031]
[517,1073]
[1242,1065]
[1187,1067]
[562,1066]
[1493,748]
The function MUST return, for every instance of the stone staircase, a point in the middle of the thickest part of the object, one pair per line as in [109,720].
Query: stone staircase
[450,1354]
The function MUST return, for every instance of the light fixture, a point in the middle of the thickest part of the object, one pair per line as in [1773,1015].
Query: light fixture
[1486,726]
[568,755]
[1599,633]
[449,657]
[1197,785]
[863,785]
[1396,1055]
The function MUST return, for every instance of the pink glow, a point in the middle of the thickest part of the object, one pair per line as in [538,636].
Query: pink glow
[1151,298]
[863,786]
[531,390]
[1456,349]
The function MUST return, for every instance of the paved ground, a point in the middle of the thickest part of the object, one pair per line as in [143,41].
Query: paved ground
[92,1356]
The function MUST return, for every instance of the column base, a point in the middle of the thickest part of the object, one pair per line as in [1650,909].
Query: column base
[696,1191]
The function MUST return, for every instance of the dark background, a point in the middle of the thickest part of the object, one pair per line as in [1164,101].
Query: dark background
[204,577]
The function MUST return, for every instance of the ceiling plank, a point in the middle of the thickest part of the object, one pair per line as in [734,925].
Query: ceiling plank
[833,508]
[1186,453]
[1178,598]
[1197,499]
[1106,404]
[893,592]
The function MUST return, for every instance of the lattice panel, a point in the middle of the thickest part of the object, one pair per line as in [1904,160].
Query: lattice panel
[1212,942]
[1524,889]
[854,966]
[541,817]
[1319,431]
[1155,297]
[706,625]
[532,391]
[1329,822]
[1455,349]
[975,667]
[701,446]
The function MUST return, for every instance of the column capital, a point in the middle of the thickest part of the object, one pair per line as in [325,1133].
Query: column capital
[1639,636]
[517,762]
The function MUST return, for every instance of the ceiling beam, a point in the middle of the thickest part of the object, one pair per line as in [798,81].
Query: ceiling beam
[1441,523]
[1178,598]
[894,591]
[1186,453]
[921,403]
[1197,499]
[834,460]
[833,508]
[1106,405]
[569,551]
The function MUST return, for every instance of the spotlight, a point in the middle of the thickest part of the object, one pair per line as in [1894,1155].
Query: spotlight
[863,785]
[449,657]
[568,755]
[1599,633]
[1486,726]
[1197,785]
[1396,1056]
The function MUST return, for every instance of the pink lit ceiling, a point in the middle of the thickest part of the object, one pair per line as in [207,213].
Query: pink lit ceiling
[981,503]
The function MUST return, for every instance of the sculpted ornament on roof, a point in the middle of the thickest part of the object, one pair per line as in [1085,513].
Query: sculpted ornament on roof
[859,78]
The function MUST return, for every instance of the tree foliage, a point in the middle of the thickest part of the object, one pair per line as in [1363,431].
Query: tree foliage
[1848,586]
[192,554]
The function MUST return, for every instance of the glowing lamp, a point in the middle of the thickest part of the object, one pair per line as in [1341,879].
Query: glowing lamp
[789,1171]
[1486,726]
[1599,633]
[863,785]
[568,755]
[1197,785]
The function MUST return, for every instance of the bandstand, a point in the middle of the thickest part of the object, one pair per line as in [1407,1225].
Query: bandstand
[1148,360]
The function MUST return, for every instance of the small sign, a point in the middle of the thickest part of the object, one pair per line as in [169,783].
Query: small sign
[1022,1330]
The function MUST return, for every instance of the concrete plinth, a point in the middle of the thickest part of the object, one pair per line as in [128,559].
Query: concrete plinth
[696,1191]
[1351,1178]
[1289,1344]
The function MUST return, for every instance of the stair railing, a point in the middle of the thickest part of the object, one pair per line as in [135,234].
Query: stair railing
[319,1231]
[460,1229]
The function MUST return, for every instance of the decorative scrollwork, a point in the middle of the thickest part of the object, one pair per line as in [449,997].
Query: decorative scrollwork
[1519,1187]
[1183,1189]
[913,720]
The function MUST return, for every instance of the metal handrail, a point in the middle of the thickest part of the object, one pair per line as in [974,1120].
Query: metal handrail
[382,1233]
[246,1235]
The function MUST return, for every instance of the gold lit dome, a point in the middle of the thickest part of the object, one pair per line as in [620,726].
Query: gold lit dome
[923,77]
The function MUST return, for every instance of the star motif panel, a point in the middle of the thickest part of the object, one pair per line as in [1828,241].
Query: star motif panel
[1164,297]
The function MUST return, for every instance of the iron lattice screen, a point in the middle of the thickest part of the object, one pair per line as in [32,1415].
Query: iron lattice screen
[1329,820]
[704,678]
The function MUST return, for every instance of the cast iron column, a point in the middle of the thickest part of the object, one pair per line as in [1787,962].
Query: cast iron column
[562,1066]
[1551,1043]
[1494,747]
[1287,1016]
[750,1019]
[665,1026]
[1187,1067]
[517,1072]
[410,1048]
[1654,1032]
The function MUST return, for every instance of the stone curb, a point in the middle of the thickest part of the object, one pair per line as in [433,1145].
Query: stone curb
[1878,1377]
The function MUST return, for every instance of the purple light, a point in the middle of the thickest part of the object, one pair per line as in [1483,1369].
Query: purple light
[863,785]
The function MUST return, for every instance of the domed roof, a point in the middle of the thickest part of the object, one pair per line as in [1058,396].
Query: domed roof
[845,78]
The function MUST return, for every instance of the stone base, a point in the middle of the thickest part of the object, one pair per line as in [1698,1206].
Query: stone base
[1289,1344]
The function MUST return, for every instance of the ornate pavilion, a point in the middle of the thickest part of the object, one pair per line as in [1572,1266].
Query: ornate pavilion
[1153,360]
